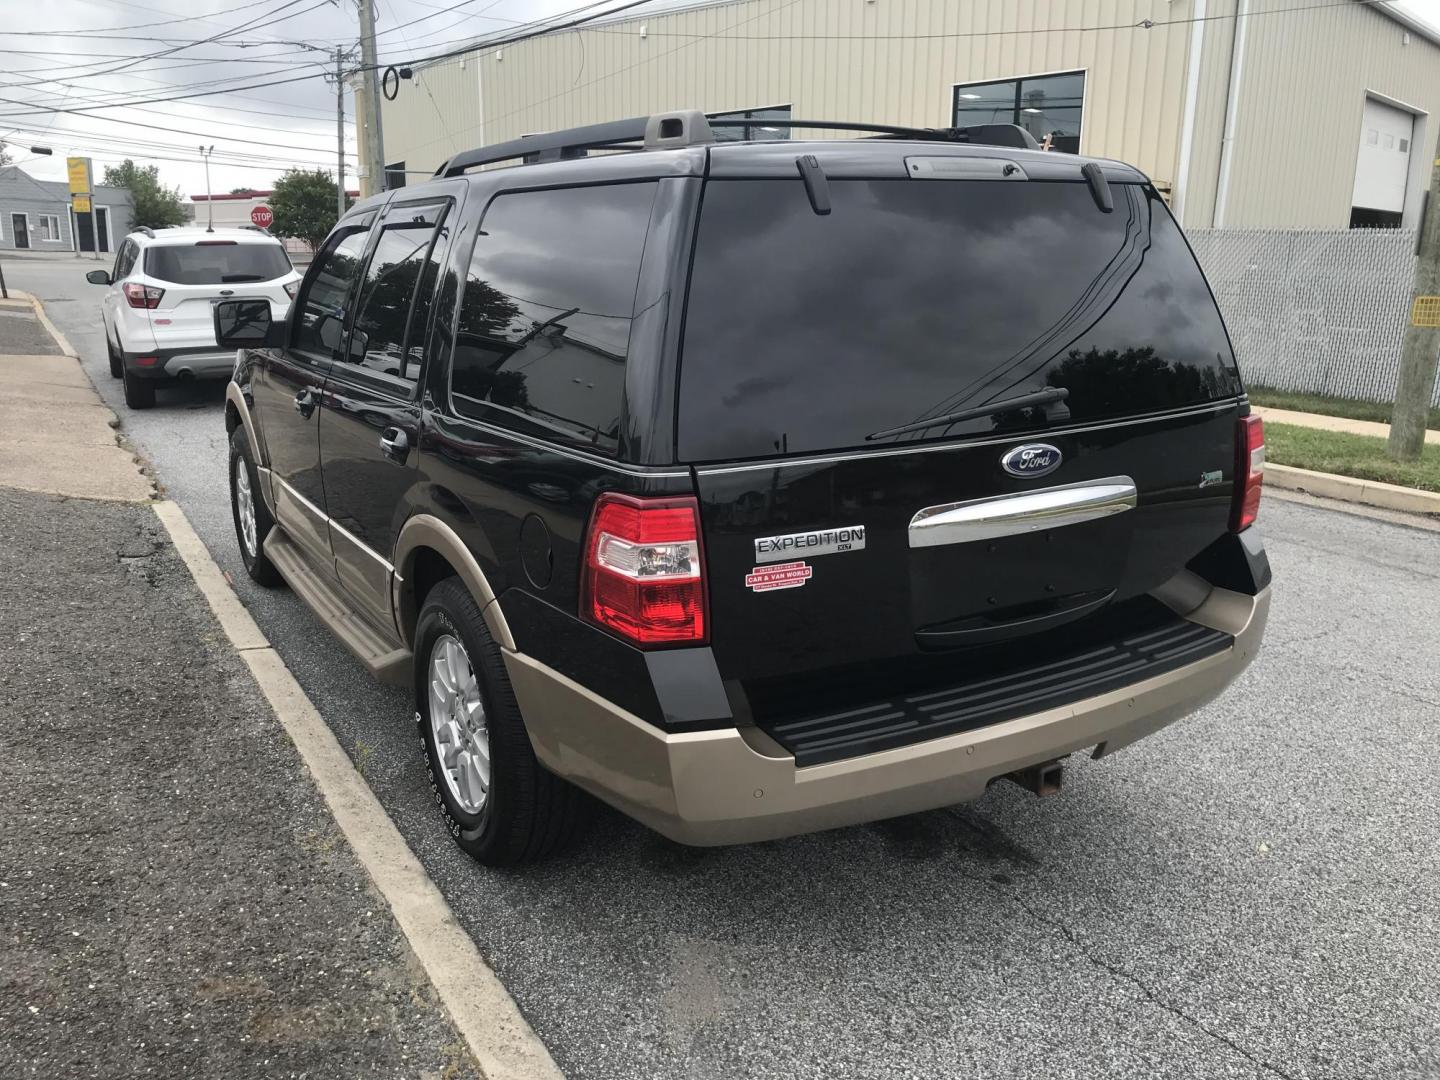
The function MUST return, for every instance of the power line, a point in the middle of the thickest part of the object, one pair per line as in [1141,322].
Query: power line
[162,22]
[269,17]
[111,146]
[170,128]
[1143,24]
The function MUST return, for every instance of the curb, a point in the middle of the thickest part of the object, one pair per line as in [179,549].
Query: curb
[498,1037]
[1349,489]
[60,339]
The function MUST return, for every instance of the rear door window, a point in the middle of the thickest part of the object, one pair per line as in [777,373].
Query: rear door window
[544,325]
[915,299]
[216,262]
[398,287]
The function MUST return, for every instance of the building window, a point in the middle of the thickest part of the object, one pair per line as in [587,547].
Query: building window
[759,131]
[394,175]
[1044,105]
[48,228]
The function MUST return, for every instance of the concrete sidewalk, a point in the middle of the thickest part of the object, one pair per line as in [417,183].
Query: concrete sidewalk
[176,898]
[55,433]
[1332,423]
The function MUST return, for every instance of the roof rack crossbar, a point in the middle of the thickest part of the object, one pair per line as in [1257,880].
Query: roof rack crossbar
[692,128]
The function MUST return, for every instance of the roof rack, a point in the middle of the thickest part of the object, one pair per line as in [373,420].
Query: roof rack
[690,127]
[256,228]
[145,230]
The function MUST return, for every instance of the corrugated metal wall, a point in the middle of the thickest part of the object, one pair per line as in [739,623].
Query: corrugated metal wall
[1308,67]
[1302,93]
[878,60]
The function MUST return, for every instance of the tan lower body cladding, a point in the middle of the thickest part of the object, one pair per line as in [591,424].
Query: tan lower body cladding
[737,785]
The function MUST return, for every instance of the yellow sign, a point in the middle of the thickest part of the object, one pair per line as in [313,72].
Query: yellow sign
[1425,311]
[80,204]
[79,170]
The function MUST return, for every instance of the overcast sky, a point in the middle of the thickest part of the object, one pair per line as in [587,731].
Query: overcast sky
[257,130]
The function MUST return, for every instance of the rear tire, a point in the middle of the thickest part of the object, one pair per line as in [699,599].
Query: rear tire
[247,506]
[139,393]
[117,362]
[512,809]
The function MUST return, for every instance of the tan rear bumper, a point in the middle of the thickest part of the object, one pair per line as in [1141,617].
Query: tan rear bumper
[736,785]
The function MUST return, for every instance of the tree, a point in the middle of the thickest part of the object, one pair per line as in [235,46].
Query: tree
[304,205]
[5,158]
[155,205]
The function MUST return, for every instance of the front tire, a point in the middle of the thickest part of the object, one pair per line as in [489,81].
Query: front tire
[500,804]
[252,517]
[139,393]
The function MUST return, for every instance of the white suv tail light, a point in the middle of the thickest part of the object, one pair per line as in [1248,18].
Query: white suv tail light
[142,296]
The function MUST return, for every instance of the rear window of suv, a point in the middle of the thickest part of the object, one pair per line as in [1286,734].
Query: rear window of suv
[916,298]
[216,262]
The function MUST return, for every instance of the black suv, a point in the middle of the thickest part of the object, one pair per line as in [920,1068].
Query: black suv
[757,487]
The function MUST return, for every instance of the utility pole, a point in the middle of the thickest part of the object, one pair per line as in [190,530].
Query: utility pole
[1422,338]
[340,131]
[375,143]
[209,199]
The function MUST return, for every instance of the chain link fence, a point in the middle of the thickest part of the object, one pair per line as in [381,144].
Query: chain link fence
[1317,311]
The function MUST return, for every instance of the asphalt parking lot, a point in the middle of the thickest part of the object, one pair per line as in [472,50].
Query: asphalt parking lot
[1250,893]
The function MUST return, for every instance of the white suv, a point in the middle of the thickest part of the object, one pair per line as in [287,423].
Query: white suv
[157,312]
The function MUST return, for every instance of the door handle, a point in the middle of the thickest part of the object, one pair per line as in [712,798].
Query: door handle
[305,402]
[395,445]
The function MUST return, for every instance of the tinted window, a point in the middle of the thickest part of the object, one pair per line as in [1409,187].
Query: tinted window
[396,293]
[123,260]
[920,298]
[545,317]
[216,262]
[320,329]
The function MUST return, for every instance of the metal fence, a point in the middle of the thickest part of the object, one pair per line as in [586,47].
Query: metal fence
[1318,311]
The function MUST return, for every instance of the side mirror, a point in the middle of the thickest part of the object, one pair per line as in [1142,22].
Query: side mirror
[246,324]
[98,277]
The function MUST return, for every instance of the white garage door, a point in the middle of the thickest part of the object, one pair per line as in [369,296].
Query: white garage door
[1383,161]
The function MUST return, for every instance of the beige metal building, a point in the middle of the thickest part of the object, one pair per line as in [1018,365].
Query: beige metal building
[1250,113]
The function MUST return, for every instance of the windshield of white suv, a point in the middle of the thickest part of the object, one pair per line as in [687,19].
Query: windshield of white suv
[216,262]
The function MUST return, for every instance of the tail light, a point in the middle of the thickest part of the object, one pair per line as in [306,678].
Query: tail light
[1249,471]
[644,570]
[292,288]
[142,296]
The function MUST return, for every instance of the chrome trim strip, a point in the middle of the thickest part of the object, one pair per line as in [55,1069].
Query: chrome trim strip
[329,521]
[366,548]
[552,448]
[302,499]
[932,448]
[1027,512]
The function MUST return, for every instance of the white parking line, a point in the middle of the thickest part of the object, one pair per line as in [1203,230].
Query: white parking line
[497,1035]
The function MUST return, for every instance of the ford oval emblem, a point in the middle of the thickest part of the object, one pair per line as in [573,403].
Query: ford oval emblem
[1032,459]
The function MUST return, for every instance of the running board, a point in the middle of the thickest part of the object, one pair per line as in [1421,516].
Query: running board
[385,658]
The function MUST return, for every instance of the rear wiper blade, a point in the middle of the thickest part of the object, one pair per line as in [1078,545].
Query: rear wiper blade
[1052,399]
[235,279]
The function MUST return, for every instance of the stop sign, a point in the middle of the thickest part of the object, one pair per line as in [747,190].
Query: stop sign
[262,216]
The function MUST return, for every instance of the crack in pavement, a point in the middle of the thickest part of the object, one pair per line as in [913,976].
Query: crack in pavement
[1150,995]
